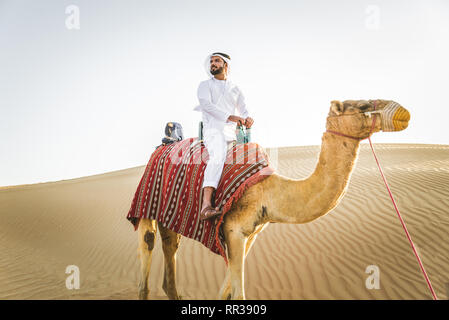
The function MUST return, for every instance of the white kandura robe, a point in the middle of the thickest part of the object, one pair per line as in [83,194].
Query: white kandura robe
[218,100]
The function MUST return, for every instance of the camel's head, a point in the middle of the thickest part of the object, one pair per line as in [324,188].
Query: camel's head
[355,117]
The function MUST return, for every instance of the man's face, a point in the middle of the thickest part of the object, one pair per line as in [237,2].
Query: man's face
[217,65]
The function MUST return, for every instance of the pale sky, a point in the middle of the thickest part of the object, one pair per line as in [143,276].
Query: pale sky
[78,102]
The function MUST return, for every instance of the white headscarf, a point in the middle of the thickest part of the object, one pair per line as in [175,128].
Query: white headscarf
[207,63]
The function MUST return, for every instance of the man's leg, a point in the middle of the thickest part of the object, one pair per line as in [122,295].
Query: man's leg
[207,197]
[214,169]
[212,175]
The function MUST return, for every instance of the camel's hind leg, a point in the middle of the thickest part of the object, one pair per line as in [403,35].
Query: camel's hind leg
[170,244]
[147,238]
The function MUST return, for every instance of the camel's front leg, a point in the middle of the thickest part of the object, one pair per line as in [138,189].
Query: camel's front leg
[225,291]
[170,244]
[236,241]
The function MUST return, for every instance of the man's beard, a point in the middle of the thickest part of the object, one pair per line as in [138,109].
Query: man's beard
[216,71]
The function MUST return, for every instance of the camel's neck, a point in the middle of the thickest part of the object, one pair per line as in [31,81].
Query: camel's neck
[301,201]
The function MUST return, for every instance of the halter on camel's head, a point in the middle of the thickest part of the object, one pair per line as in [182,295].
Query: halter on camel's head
[358,119]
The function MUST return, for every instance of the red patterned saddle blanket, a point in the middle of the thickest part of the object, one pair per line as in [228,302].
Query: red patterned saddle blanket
[170,188]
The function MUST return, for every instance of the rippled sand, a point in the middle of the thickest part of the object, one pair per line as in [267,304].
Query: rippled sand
[46,227]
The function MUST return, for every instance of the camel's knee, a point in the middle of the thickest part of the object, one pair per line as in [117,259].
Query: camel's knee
[147,231]
[170,240]
[173,241]
[149,239]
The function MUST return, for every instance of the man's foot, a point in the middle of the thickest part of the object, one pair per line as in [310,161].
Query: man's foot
[209,212]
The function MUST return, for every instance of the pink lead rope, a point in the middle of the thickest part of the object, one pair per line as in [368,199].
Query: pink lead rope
[403,224]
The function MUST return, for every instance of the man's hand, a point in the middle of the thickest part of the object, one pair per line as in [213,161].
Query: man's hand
[249,122]
[239,120]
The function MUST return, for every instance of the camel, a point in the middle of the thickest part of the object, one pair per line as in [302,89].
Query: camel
[281,199]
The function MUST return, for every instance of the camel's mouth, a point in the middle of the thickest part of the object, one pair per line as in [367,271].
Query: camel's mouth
[395,117]
[401,119]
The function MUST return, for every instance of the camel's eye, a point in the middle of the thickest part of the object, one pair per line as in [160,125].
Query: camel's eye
[363,107]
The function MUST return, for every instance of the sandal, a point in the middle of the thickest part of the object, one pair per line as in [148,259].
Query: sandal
[209,212]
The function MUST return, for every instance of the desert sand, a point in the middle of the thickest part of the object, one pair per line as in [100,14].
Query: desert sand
[46,227]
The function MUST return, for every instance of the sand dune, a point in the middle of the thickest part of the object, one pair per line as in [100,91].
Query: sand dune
[46,227]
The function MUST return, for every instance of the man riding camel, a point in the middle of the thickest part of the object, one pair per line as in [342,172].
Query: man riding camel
[218,99]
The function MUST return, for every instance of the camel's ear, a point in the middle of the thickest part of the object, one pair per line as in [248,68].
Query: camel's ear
[337,107]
